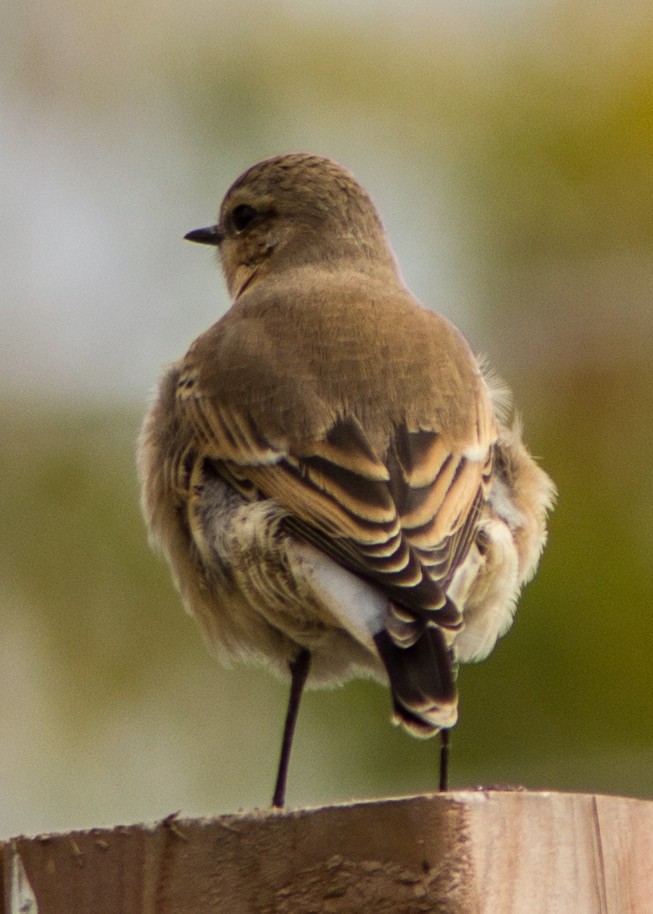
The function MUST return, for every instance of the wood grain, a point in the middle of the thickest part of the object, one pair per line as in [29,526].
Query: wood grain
[468,852]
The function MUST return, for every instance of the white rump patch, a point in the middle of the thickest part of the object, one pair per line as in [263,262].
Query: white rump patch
[355,605]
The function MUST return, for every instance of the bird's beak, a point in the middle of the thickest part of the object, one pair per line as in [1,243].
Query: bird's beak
[211,235]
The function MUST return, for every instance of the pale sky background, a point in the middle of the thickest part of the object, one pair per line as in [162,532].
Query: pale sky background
[102,173]
[103,169]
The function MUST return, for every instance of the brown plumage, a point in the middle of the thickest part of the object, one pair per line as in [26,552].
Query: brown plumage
[327,470]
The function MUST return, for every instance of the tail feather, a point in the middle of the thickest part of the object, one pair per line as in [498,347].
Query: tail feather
[422,681]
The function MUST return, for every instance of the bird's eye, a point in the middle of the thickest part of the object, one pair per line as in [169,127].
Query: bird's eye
[243,216]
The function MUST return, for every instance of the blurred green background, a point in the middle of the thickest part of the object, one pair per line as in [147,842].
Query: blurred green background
[509,147]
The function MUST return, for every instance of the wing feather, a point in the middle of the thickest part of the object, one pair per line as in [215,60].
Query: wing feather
[404,519]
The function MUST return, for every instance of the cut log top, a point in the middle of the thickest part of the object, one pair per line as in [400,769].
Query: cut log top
[468,852]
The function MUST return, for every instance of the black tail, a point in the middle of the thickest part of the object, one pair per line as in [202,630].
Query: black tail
[422,681]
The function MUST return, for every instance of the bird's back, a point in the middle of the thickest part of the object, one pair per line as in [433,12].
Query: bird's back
[302,351]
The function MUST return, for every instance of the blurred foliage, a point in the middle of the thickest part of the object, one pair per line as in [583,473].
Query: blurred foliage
[543,129]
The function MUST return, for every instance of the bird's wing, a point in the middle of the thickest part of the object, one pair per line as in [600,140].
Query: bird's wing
[404,520]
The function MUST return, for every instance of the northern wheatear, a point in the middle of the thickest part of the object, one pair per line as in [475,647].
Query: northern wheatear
[328,471]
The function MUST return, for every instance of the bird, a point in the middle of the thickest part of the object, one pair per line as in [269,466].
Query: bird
[330,473]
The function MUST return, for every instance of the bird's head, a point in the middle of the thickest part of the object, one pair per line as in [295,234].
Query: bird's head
[291,211]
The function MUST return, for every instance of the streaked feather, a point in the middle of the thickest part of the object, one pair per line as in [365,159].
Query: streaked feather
[403,519]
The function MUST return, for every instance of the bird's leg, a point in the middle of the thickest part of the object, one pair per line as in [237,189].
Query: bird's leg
[299,668]
[444,760]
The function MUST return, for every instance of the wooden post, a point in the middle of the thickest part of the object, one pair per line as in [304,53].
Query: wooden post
[468,852]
